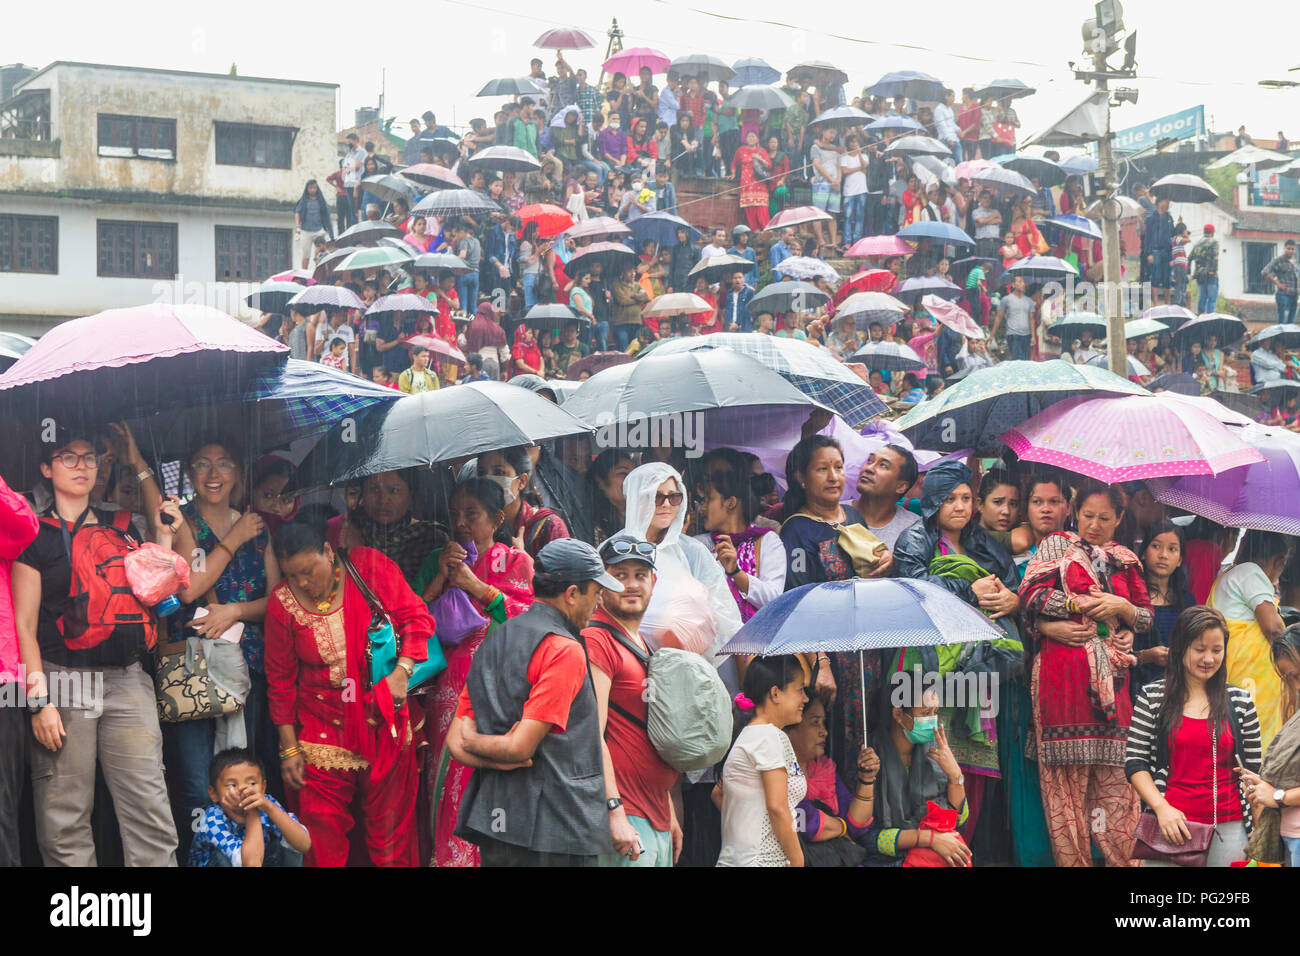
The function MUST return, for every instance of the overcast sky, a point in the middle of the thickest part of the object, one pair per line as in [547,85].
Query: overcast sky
[438,53]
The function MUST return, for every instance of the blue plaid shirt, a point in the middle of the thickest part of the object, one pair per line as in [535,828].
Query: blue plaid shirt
[217,833]
[589,100]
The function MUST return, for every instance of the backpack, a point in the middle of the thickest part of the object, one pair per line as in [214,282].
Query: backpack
[688,709]
[100,598]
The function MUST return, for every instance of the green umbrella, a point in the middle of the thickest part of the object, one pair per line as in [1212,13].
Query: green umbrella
[1139,328]
[375,258]
[991,401]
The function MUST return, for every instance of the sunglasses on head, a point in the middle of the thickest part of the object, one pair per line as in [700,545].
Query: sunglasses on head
[633,547]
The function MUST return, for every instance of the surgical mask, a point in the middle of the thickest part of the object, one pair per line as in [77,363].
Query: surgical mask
[922,731]
[504,482]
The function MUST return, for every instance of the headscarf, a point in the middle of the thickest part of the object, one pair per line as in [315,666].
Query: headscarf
[939,483]
[901,794]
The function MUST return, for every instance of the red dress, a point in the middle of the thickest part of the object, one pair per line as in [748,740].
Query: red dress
[353,739]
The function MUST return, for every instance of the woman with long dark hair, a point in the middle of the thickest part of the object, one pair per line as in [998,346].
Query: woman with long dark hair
[605,490]
[1190,733]
[1162,561]
[752,556]
[685,139]
[311,218]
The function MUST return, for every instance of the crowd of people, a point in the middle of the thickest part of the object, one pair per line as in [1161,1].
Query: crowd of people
[1147,671]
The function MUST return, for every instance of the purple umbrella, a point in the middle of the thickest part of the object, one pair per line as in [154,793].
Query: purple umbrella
[1261,496]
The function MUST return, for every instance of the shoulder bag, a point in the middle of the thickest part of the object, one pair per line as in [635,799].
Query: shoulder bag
[1151,843]
[382,646]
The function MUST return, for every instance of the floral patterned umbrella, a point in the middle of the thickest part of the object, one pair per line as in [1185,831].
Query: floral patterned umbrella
[1129,439]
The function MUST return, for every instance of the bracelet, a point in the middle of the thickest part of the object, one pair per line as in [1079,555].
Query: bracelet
[293,751]
[147,473]
[491,595]
[732,574]
[222,546]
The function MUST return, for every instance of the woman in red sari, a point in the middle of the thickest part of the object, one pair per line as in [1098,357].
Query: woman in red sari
[1081,704]
[753,189]
[499,584]
[340,738]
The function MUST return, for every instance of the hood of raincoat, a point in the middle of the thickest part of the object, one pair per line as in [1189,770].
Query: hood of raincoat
[639,491]
[939,483]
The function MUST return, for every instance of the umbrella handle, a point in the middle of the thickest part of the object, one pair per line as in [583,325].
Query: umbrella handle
[862,676]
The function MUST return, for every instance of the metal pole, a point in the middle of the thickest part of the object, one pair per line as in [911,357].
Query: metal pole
[1116,351]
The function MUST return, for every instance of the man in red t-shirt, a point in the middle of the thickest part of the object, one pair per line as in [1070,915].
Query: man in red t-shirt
[642,781]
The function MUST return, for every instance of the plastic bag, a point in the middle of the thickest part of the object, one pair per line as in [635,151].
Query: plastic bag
[683,620]
[454,614]
[155,573]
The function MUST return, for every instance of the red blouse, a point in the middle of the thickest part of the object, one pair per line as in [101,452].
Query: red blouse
[1189,787]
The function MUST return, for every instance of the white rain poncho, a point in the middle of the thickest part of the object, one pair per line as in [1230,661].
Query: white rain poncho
[691,598]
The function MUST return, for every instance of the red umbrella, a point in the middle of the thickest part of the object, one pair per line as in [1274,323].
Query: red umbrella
[869,246]
[868,280]
[796,217]
[435,345]
[551,220]
[564,38]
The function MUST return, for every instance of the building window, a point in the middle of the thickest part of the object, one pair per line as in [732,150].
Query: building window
[1255,256]
[137,250]
[29,244]
[137,137]
[242,144]
[250,255]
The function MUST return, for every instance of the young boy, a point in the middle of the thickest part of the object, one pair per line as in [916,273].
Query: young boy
[243,826]
[418,378]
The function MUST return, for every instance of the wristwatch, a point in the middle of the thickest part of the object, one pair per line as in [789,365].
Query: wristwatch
[959,780]
[37,704]
[1279,795]
[613,803]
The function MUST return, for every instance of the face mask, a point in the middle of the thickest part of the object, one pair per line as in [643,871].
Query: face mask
[922,731]
[504,483]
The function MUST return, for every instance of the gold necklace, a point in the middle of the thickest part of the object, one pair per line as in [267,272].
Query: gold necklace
[325,605]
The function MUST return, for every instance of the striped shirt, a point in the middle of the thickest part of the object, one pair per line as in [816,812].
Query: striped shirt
[1146,752]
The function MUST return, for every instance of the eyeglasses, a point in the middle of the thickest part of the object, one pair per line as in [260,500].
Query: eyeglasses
[70,459]
[673,498]
[623,546]
[223,465]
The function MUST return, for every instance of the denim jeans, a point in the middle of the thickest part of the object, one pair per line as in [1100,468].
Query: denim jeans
[855,208]
[530,286]
[1018,347]
[1286,304]
[599,168]
[602,336]
[1207,295]
[187,753]
[623,336]
[1292,851]
[956,150]
[467,290]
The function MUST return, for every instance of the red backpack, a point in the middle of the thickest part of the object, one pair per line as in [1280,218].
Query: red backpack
[99,596]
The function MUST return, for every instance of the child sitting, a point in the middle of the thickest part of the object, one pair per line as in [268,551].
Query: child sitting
[243,826]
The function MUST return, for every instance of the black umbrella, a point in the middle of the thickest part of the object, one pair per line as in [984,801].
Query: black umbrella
[326,266]
[1045,171]
[390,188]
[552,316]
[841,116]
[1072,326]
[273,296]
[1178,382]
[819,73]
[716,268]
[1171,315]
[1277,386]
[1004,90]
[428,176]
[908,83]
[422,430]
[909,291]
[789,296]
[455,202]
[512,86]
[707,68]
[505,159]
[613,257]
[439,261]
[1183,187]
[1288,334]
[917,146]
[368,233]
[1225,328]
[1004,183]
[1240,402]
[758,98]
[888,356]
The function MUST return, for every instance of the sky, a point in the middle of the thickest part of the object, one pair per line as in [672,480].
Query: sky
[435,54]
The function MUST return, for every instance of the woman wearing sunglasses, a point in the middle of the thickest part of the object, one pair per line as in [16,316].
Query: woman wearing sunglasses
[231,581]
[691,607]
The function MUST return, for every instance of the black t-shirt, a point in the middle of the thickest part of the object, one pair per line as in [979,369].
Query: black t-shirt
[48,555]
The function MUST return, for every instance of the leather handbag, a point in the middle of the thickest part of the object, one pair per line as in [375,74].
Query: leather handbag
[382,646]
[1151,843]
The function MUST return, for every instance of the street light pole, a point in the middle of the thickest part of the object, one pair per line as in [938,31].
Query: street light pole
[1116,351]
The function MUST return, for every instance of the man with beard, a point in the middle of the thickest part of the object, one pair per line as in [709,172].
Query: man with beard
[643,823]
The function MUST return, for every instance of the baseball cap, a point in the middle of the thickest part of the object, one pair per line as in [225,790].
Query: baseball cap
[569,559]
[1209,227]
[627,547]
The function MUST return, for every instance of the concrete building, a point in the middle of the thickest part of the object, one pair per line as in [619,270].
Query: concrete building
[123,185]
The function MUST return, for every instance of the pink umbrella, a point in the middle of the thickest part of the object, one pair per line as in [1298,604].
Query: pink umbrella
[630,61]
[796,217]
[1129,439]
[869,246]
[127,363]
[435,345]
[564,38]
[968,169]
[301,276]
[923,345]
[952,315]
